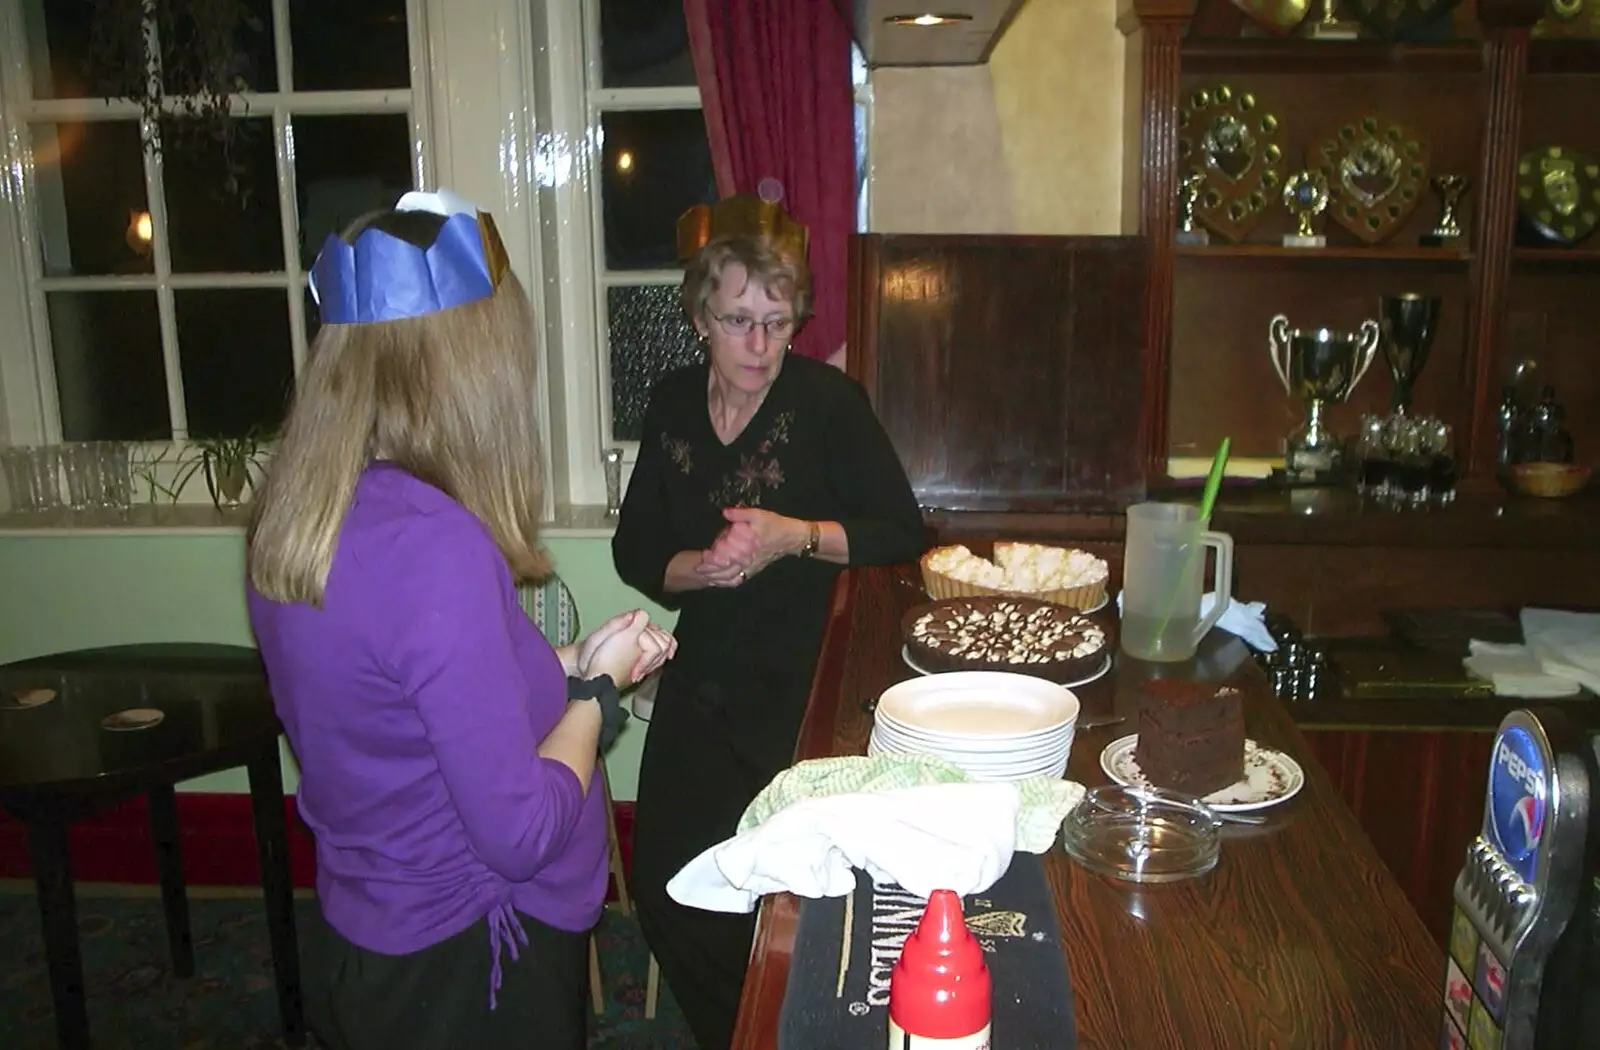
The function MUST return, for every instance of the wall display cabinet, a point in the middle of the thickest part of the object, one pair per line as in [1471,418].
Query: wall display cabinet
[1226,109]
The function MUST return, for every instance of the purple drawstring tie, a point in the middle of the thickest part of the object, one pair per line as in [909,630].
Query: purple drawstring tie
[505,931]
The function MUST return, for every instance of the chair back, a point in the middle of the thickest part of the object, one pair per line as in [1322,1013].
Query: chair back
[549,605]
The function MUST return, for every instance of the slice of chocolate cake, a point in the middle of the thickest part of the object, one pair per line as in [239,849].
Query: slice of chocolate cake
[1191,736]
[993,633]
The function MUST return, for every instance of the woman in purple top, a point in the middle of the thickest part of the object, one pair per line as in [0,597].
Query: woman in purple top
[461,855]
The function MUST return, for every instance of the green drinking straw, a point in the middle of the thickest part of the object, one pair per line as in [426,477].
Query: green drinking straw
[1208,499]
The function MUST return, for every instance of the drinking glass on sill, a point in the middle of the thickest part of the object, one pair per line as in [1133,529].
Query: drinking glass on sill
[20,492]
[115,470]
[44,474]
[81,459]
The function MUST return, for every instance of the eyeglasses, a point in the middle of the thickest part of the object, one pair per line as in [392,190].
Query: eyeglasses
[741,325]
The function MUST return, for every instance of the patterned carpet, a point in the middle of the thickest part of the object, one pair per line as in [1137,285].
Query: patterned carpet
[229,1004]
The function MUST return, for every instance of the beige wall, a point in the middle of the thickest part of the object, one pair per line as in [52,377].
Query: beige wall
[1029,143]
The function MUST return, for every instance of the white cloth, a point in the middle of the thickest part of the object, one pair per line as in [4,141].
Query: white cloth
[1515,671]
[1566,644]
[1247,620]
[936,836]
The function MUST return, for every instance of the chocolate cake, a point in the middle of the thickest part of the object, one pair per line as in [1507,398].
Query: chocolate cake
[994,633]
[1191,736]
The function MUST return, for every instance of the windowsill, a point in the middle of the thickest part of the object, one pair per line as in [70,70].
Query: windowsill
[203,519]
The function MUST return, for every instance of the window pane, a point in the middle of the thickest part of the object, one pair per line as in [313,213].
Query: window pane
[90,196]
[644,43]
[58,47]
[109,375]
[654,165]
[346,167]
[193,58]
[222,199]
[350,45]
[649,338]
[238,367]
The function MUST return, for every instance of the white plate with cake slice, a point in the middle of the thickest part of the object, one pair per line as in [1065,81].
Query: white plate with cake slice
[1270,777]
[1099,673]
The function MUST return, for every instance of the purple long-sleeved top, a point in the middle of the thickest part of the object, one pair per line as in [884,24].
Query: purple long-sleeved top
[415,699]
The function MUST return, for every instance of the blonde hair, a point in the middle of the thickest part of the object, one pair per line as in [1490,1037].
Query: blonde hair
[448,396]
[769,263]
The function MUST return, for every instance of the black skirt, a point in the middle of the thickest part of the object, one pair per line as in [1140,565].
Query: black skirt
[438,998]
[704,761]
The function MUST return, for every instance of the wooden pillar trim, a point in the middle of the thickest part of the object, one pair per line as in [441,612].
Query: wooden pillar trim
[1158,28]
[1505,64]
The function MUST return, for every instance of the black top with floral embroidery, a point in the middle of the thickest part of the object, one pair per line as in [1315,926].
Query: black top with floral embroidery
[814,450]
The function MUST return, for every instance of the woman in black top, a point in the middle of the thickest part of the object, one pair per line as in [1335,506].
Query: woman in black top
[759,475]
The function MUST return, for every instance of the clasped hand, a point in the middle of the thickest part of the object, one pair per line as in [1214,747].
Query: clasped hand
[627,647]
[754,539]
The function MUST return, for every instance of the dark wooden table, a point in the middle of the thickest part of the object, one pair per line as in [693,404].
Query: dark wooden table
[1298,940]
[58,763]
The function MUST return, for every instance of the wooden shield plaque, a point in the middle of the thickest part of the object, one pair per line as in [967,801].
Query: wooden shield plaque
[1558,191]
[1569,19]
[1376,170]
[1226,136]
[1400,18]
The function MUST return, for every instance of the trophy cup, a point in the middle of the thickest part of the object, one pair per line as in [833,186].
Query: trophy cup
[1189,189]
[1322,366]
[1306,197]
[1447,232]
[1329,26]
[1408,323]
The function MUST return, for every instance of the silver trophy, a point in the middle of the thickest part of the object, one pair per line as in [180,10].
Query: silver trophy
[1408,323]
[1322,366]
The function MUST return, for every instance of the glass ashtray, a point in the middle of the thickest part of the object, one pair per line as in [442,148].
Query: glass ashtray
[1142,834]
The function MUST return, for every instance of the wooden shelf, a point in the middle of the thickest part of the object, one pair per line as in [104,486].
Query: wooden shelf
[1557,258]
[1292,55]
[1558,57]
[1478,95]
[1336,253]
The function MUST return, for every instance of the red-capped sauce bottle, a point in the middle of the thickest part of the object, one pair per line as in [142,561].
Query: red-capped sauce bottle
[939,990]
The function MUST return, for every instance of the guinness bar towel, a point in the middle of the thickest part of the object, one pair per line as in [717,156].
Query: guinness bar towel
[838,991]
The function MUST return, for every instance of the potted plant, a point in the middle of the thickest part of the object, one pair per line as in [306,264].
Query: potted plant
[232,466]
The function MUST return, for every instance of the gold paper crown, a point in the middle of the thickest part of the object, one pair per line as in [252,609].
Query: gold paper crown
[745,214]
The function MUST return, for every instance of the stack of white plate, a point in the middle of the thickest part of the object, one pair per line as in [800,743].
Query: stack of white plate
[993,725]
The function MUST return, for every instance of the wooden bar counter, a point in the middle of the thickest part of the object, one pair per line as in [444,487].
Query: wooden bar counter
[1299,940]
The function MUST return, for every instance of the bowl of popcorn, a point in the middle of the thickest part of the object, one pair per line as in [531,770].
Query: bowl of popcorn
[1063,575]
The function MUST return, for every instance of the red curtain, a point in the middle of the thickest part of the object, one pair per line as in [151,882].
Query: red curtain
[774,80]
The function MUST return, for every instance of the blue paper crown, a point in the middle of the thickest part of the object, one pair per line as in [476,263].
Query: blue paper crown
[384,278]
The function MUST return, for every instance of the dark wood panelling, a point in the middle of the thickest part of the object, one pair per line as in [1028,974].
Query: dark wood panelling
[1005,369]
[1419,796]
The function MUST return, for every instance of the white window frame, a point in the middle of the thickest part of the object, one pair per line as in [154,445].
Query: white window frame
[30,411]
[602,100]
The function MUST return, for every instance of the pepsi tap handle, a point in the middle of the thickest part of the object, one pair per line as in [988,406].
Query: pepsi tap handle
[1521,881]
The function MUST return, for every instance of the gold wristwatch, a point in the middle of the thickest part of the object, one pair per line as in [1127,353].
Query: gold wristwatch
[813,540]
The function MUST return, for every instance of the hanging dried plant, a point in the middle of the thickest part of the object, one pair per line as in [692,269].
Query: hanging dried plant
[183,62]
